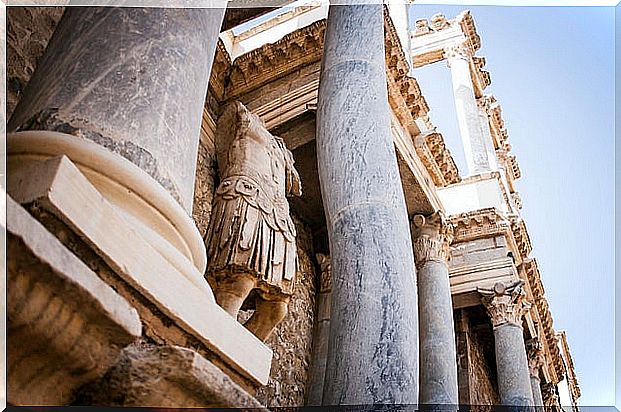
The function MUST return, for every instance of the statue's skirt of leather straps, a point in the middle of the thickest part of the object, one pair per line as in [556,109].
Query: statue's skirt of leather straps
[251,233]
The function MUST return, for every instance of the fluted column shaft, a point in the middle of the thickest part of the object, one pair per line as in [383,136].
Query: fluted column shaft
[506,307]
[373,348]
[438,362]
[133,80]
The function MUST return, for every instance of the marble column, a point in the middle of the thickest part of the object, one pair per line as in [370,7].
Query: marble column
[373,347]
[438,360]
[506,306]
[132,81]
[483,107]
[322,334]
[536,361]
[458,59]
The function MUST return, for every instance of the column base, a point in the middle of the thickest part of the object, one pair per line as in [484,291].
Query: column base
[146,206]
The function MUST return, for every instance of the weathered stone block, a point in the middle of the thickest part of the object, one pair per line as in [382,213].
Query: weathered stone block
[65,325]
[166,376]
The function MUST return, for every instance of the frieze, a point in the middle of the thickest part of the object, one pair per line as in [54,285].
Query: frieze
[480,223]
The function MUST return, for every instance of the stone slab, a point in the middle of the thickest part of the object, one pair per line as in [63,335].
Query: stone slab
[59,187]
[65,325]
[166,376]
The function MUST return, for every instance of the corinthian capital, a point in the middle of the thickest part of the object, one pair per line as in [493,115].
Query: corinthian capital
[505,303]
[431,237]
[536,357]
[458,51]
[550,396]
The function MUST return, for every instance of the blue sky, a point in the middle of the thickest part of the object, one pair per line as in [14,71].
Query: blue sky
[552,70]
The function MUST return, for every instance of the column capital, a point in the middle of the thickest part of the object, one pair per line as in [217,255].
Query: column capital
[536,356]
[325,277]
[550,394]
[505,303]
[457,52]
[431,237]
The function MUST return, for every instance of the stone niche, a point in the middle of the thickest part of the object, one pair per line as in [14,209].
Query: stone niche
[476,364]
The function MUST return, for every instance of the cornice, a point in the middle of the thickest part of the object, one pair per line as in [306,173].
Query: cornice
[572,378]
[437,158]
[480,223]
[533,276]
[520,234]
[274,60]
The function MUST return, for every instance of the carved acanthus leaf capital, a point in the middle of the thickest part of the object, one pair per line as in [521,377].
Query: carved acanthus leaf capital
[432,236]
[325,279]
[460,51]
[505,303]
[536,356]
[549,394]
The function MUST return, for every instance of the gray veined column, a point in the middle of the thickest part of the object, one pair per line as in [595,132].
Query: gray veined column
[373,347]
[536,361]
[317,374]
[438,360]
[121,91]
[133,80]
[506,307]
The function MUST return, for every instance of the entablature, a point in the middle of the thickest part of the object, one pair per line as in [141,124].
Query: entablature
[433,40]
[542,316]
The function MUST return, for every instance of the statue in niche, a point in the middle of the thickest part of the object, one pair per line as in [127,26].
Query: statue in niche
[251,248]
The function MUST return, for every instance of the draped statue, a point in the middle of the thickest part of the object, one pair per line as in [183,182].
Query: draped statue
[251,248]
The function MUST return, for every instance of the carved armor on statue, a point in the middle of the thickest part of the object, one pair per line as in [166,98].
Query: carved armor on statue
[251,238]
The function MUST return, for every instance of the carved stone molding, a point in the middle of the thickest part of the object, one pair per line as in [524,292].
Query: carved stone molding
[437,159]
[439,22]
[480,223]
[536,356]
[274,60]
[432,236]
[505,303]
[550,396]
[521,236]
[325,278]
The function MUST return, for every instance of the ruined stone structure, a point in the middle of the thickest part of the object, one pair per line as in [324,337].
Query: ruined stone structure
[155,257]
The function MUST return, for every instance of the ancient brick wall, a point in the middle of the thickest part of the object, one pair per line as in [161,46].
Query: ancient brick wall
[28,31]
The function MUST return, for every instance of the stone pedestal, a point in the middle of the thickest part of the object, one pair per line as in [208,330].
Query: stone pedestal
[458,59]
[438,361]
[134,81]
[166,377]
[506,307]
[536,361]
[373,356]
[65,326]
